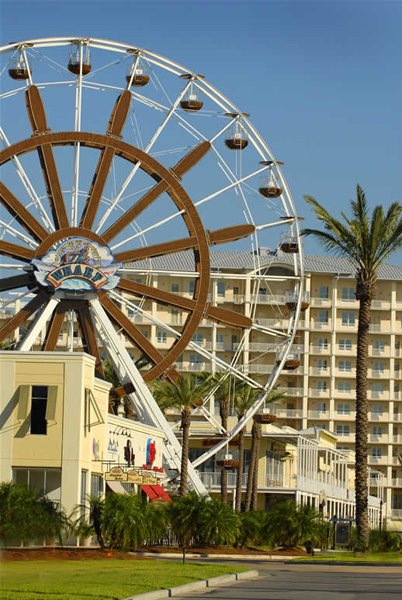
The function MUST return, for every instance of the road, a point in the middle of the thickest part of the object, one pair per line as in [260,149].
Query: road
[279,581]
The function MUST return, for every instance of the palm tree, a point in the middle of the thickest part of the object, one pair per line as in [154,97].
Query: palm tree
[367,242]
[185,393]
[223,394]
[256,432]
[244,398]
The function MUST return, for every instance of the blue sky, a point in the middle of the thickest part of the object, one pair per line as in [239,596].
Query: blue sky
[321,79]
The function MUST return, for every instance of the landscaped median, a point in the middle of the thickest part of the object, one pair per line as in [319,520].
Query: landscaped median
[109,578]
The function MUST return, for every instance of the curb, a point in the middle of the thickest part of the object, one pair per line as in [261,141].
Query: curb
[196,586]
[237,557]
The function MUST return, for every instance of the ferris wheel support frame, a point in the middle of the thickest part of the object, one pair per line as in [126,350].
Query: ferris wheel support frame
[142,398]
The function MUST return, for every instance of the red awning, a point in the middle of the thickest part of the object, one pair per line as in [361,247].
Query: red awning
[155,492]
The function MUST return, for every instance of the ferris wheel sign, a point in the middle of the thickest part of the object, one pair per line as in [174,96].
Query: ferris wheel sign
[77,265]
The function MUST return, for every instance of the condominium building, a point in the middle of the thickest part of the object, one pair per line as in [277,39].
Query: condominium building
[320,381]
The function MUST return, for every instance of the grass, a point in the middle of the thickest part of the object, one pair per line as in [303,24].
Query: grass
[98,579]
[351,557]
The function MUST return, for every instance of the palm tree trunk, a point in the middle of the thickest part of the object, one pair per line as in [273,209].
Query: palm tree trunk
[361,473]
[185,425]
[252,468]
[256,432]
[224,409]
[239,480]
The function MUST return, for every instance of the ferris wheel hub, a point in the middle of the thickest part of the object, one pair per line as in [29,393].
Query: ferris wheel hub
[77,264]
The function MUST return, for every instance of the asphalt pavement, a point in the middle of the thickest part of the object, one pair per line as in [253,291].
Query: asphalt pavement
[279,581]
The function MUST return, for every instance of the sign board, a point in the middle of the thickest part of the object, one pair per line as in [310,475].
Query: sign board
[342,534]
[149,478]
[134,476]
[116,474]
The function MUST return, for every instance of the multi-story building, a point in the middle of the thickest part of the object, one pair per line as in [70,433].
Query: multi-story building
[321,389]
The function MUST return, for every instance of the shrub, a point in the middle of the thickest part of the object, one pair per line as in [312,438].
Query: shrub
[384,541]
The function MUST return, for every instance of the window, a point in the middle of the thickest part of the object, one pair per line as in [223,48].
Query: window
[343,430]
[84,474]
[321,407]
[344,386]
[377,387]
[321,385]
[235,291]
[322,364]
[96,485]
[323,292]
[343,408]
[377,430]
[195,359]
[221,288]
[379,366]
[323,343]
[220,338]
[348,317]
[38,410]
[198,338]
[376,452]
[161,337]
[191,286]
[379,345]
[345,344]
[174,288]
[377,409]
[323,316]
[348,293]
[145,332]
[345,365]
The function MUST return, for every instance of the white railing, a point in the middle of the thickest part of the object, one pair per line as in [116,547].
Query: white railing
[384,304]
[317,414]
[378,416]
[318,392]
[397,417]
[377,439]
[321,325]
[377,460]
[291,391]
[321,350]
[396,513]
[321,302]
[268,299]
[319,370]
[397,439]
[396,482]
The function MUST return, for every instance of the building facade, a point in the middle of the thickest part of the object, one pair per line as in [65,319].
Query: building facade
[320,390]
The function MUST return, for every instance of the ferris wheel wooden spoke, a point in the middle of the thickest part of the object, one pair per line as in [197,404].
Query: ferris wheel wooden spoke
[27,311]
[37,117]
[54,328]
[220,236]
[211,312]
[135,335]
[184,165]
[15,251]
[116,123]
[86,324]
[21,214]
[17,281]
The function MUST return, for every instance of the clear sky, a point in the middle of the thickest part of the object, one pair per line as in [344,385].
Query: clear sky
[321,79]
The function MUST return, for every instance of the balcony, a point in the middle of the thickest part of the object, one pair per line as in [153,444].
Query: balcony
[291,391]
[259,347]
[396,513]
[273,323]
[377,439]
[321,302]
[397,417]
[378,416]
[257,368]
[268,299]
[318,414]
[397,439]
[381,304]
[377,460]
[378,373]
[287,413]
[238,299]
[320,325]
[319,371]
[345,416]
[326,350]
[316,392]
[396,483]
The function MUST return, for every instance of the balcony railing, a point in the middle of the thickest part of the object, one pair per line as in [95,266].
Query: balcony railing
[314,392]
[321,350]
[319,370]
[396,513]
[397,482]
[287,413]
[318,414]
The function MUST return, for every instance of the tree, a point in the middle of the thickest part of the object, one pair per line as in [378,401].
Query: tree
[244,398]
[367,241]
[219,524]
[185,393]
[256,431]
[185,517]
[289,525]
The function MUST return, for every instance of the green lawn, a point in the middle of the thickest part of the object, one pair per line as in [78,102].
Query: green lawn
[98,579]
[378,557]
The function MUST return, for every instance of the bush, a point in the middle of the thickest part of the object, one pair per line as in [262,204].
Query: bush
[219,523]
[384,541]
[26,516]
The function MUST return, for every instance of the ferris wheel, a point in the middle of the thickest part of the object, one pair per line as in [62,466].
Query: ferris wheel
[113,156]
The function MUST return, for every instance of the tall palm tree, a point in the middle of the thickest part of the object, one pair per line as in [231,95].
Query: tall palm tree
[244,398]
[185,393]
[256,432]
[223,395]
[368,241]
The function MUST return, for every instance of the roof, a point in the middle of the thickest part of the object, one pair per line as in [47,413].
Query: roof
[246,261]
